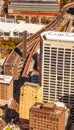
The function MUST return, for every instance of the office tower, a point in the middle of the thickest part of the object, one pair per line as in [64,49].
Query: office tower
[6,87]
[29,94]
[48,116]
[57,66]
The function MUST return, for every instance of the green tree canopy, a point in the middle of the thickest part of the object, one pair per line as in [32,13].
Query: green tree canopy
[6,2]
[8,128]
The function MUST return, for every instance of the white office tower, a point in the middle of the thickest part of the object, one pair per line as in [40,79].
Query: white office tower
[57,66]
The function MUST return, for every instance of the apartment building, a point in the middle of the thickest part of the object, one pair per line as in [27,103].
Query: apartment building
[47,116]
[6,87]
[57,66]
[29,94]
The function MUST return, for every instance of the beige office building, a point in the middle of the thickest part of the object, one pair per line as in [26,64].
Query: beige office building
[29,94]
[48,116]
[57,66]
[6,87]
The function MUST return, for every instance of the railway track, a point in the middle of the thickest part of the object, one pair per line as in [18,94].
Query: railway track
[25,72]
[14,63]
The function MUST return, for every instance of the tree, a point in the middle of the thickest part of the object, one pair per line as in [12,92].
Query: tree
[8,128]
[6,2]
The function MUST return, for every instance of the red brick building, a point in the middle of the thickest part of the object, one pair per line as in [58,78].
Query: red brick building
[47,117]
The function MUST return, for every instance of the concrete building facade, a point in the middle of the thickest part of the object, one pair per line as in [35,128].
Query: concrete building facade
[47,116]
[57,66]
[29,94]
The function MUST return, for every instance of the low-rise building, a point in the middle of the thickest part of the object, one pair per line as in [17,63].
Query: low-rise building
[11,127]
[2,124]
[49,116]
[6,87]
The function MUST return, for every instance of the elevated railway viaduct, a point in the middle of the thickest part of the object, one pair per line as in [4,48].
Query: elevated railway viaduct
[16,66]
[14,63]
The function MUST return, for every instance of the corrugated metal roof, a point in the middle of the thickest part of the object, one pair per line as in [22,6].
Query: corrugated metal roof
[29,27]
[60,36]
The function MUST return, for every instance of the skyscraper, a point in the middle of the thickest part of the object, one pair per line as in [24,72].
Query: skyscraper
[57,66]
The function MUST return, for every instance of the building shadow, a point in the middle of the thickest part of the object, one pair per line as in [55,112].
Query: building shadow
[70,11]
[65,99]
[17,85]
[11,115]
[17,50]
[34,78]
